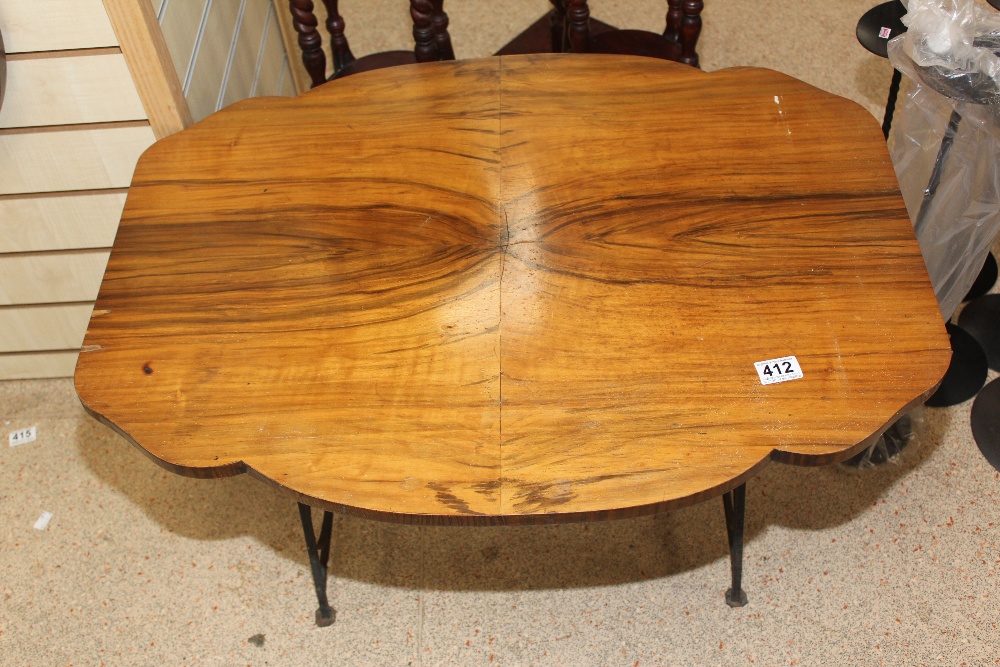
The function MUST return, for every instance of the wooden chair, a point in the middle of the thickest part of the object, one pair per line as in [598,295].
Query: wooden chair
[584,35]
[430,34]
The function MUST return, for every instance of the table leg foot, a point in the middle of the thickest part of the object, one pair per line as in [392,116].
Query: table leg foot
[736,601]
[319,557]
[325,617]
[734,503]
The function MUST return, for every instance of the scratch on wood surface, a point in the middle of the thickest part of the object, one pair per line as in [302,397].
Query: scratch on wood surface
[90,348]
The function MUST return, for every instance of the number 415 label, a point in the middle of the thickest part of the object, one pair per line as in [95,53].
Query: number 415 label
[773,371]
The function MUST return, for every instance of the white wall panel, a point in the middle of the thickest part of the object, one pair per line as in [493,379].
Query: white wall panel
[51,277]
[72,159]
[40,328]
[54,25]
[69,90]
[60,222]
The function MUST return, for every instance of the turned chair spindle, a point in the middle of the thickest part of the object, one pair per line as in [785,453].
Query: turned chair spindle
[430,33]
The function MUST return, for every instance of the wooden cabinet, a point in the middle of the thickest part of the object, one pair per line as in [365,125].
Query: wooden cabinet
[91,84]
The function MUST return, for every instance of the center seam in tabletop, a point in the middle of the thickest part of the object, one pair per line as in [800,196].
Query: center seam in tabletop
[503,262]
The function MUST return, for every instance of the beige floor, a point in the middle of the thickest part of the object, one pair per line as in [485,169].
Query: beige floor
[890,566]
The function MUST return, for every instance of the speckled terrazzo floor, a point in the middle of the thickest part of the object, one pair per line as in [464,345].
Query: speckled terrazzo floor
[890,566]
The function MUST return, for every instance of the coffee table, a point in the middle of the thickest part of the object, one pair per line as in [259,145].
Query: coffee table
[524,289]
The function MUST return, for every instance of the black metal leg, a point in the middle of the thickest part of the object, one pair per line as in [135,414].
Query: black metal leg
[935,179]
[319,556]
[890,105]
[735,504]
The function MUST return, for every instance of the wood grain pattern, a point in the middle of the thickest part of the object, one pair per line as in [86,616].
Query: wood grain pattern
[100,87]
[506,295]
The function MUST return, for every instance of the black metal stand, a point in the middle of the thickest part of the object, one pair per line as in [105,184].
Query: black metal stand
[319,556]
[735,504]
[880,24]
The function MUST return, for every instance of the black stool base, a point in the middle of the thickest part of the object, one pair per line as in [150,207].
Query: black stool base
[985,280]
[892,442]
[869,32]
[986,422]
[981,318]
[966,372]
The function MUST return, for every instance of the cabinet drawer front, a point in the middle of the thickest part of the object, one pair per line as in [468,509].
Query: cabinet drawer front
[54,25]
[69,90]
[40,328]
[77,159]
[51,278]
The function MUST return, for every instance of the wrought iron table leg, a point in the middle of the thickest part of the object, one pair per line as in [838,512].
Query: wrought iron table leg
[735,503]
[319,556]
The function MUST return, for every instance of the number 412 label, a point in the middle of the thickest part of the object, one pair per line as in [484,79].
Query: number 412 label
[773,371]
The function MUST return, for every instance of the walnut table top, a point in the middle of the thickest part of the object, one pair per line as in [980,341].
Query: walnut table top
[517,289]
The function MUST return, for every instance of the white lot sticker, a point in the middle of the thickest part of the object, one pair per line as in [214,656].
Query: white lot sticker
[20,437]
[782,369]
[43,521]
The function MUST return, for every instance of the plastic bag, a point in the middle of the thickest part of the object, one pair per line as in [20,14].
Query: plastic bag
[945,140]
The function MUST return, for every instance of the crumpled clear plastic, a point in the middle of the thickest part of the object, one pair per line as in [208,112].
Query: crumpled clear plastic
[949,56]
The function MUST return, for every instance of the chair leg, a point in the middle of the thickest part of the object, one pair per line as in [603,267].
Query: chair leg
[305,22]
[579,25]
[734,503]
[445,50]
[339,48]
[319,556]
[557,24]
[690,30]
[425,40]
[675,15]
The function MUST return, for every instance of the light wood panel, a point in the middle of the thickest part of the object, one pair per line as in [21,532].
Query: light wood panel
[51,277]
[287,81]
[53,25]
[507,295]
[60,222]
[80,158]
[70,90]
[43,328]
[248,52]
[289,38]
[181,25]
[38,365]
[273,66]
[212,57]
[149,63]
